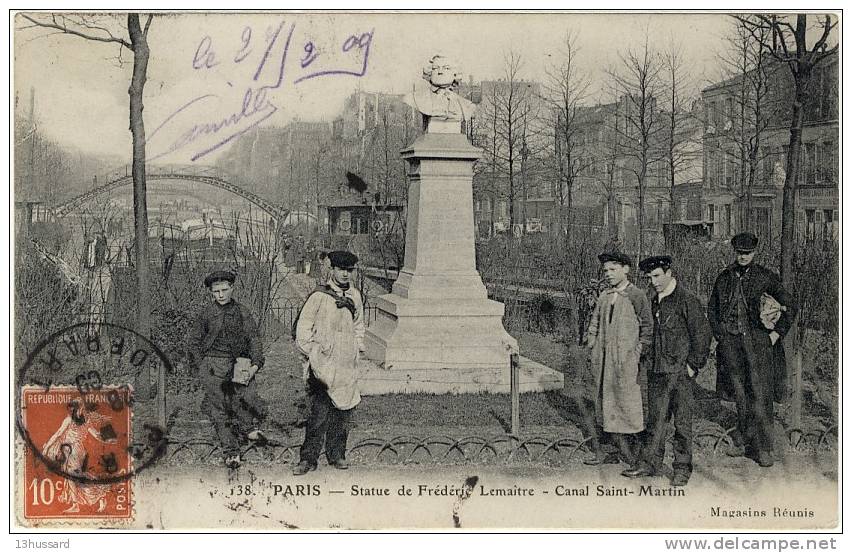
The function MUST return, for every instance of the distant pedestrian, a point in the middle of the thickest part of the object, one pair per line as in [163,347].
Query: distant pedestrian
[330,336]
[226,340]
[750,312]
[678,351]
[620,330]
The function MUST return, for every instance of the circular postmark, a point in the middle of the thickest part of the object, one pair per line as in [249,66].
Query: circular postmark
[88,404]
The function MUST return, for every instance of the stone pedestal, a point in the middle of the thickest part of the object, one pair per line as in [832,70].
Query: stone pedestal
[437,330]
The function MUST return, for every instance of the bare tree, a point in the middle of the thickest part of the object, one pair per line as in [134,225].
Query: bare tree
[749,71]
[485,174]
[678,119]
[97,28]
[510,106]
[607,157]
[566,89]
[638,122]
[789,46]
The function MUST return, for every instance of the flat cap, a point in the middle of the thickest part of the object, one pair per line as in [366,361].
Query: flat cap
[618,257]
[342,259]
[648,264]
[219,276]
[744,242]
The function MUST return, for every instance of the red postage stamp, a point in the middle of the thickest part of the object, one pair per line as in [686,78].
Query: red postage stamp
[78,462]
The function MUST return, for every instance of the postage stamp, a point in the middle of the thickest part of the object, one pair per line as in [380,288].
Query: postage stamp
[80,453]
[89,422]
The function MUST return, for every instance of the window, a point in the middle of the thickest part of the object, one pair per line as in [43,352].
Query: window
[693,209]
[711,217]
[728,219]
[760,220]
[827,163]
[828,92]
[809,163]
[728,169]
[711,115]
[810,222]
[768,167]
[729,110]
[828,232]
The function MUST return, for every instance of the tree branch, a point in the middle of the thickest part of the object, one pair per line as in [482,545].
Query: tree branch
[64,29]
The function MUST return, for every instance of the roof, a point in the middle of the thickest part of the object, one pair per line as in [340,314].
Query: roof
[722,84]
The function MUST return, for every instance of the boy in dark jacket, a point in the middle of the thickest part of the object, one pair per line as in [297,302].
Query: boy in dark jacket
[679,350]
[223,332]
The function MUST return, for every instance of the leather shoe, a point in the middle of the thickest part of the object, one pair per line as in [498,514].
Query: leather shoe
[341,464]
[680,479]
[764,459]
[303,468]
[601,459]
[639,471]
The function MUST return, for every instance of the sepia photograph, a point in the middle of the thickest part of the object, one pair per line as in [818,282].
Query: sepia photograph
[425,271]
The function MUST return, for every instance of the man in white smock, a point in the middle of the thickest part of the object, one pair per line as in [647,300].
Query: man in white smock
[330,336]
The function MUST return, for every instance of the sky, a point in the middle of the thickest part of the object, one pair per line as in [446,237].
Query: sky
[207,78]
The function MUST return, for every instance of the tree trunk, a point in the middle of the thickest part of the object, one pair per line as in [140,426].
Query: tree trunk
[511,197]
[788,207]
[558,226]
[788,247]
[140,206]
[569,205]
[640,217]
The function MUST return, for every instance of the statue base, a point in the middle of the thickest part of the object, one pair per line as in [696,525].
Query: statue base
[438,331]
[533,377]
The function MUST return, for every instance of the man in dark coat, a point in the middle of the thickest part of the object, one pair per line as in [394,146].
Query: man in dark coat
[224,332]
[679,350]
[750,312]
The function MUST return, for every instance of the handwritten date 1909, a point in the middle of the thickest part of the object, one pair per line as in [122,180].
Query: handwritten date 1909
[206,57]
[210,133]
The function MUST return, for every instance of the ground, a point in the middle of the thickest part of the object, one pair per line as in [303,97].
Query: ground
[473,428]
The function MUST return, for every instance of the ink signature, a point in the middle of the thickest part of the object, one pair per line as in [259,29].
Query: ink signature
[189,126]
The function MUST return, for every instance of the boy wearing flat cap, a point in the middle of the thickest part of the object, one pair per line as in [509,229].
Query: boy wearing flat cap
[330,336]
[619,332]
[678,351]
[224,334]
[750,312]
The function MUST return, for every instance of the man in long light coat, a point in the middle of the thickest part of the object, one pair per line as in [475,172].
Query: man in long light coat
[330,336]
[621,329]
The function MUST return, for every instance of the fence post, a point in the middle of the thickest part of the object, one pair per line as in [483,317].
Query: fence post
[514,386]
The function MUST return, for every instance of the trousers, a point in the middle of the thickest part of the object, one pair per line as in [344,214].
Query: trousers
[748,362]
[233,409]
[326,423]
[670,397]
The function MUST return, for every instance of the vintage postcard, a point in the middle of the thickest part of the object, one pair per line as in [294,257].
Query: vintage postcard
[435,270]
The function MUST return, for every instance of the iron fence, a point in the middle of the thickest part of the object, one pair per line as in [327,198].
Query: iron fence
[709,439]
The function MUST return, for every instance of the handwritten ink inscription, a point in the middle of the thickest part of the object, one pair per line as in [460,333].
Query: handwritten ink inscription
[254,65]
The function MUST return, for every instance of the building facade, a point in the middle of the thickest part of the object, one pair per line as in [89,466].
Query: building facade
[732,202]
